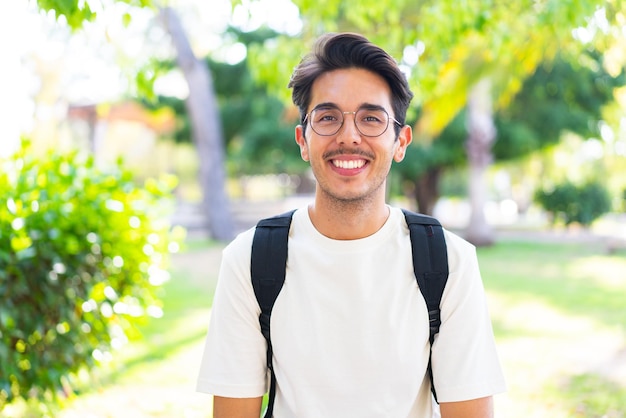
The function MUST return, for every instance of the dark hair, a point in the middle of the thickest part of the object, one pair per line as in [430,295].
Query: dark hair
[335,51]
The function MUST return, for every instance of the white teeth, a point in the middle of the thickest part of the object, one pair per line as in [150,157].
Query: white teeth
[350,164]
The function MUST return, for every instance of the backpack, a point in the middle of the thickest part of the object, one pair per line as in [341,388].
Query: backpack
[269,258]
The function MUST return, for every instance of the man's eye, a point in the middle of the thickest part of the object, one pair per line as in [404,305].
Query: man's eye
[327,116]
[372,118]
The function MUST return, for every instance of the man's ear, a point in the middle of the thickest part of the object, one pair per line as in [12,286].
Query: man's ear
[404,139]
[301,141]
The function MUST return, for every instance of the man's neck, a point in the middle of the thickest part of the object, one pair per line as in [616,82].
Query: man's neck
[348,220]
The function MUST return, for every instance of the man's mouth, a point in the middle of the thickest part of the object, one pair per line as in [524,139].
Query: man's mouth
[348,164]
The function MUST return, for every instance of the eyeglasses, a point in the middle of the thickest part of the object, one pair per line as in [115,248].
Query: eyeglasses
[369,121]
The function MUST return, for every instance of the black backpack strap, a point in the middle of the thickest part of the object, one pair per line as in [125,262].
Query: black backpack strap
[430,264]
[267,269]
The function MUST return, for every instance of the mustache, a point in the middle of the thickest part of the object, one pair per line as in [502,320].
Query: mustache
[344,151]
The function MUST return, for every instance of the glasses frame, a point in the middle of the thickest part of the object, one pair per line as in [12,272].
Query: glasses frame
[307,117]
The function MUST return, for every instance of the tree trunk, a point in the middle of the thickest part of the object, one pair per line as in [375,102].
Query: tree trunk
[206,128]
[480,139]
[427,190]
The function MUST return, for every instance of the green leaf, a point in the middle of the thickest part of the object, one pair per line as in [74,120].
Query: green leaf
[78,248]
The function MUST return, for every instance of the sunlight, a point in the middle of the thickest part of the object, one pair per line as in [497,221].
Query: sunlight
[600,269]
[280,15]
[15,107]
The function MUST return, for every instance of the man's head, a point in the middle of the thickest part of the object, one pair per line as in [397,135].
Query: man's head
[348,50]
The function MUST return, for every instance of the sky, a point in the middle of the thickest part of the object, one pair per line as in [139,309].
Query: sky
[16,35]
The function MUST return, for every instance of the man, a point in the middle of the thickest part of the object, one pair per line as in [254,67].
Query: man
[350,328]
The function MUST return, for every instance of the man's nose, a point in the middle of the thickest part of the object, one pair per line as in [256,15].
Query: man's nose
[348,131]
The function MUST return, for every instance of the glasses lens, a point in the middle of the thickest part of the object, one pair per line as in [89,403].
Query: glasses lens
[371,122]
[326,121]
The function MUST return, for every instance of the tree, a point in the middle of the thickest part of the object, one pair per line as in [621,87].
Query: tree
[206,128]
[201,105]
[562,95]
[480,139]
[450,47]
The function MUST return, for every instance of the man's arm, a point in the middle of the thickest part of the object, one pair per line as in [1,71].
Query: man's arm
[236,407]
[476,408]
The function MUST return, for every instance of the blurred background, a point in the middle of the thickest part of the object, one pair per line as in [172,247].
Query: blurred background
[137,137]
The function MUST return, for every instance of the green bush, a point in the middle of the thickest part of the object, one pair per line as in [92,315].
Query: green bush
[570,203]
[82,255]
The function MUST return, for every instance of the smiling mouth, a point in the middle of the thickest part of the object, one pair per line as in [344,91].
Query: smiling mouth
[348,164]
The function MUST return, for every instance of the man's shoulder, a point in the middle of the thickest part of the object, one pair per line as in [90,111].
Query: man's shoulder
[457,242]
[454,241]
[245,238]
[241,244]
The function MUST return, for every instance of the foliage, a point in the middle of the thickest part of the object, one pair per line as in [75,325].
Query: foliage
[77,12]
[572,203]
[82,253]
[561,95]
[258,136]
[447,151]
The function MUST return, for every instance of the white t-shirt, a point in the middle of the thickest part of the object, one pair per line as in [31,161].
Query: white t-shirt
[350,328]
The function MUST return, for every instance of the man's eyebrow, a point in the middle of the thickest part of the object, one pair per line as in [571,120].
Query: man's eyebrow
[371,106]
[366,106]
[326,105]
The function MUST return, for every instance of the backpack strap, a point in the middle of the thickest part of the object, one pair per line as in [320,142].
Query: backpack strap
[267,268]
[430,264]
[269,260]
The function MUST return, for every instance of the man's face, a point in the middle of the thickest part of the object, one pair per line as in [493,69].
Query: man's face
[348,165]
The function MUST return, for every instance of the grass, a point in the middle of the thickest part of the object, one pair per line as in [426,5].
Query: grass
[558,313]
[560,319]
[155,376]
[186,307]
[575,279]
[592,396]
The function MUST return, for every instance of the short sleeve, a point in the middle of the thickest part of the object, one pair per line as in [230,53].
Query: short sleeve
[464,360]
[234,358]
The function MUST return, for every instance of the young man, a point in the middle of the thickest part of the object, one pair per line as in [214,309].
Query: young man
[349,329]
